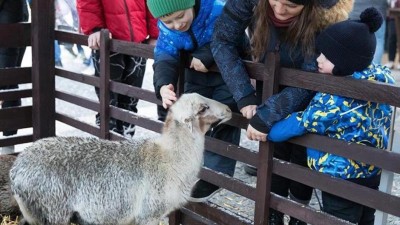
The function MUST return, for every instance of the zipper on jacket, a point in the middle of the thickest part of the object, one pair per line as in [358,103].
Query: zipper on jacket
[129,20]
[194,40]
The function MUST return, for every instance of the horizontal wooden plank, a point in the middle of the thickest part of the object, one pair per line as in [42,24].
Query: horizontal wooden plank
[15,118]
[82,78]
[216,214]
[363,195]
[130,48]
[78,100]
[71,37]
[257,71]
[191,218]
[343,86]
[15,35]
[232,184]
[17,75]
[16,139]
[134,118]
[394,12]
[134,92]
[15,94]
[229,150]
[381,158]
[304,213]
[90,129]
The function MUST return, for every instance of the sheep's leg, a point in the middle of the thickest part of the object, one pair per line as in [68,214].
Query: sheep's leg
[31,217]
[27,216]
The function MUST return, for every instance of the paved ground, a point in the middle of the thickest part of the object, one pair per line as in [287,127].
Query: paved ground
[225,198]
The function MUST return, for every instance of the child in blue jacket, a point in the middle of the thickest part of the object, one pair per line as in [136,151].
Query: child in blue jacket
[347,48]
[188,25]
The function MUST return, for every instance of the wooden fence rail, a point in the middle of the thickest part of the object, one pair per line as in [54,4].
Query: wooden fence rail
[269,76]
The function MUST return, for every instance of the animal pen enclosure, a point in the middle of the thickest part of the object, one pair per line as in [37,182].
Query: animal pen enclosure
[41,116]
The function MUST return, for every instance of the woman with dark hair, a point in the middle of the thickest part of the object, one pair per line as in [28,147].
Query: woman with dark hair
[288,27]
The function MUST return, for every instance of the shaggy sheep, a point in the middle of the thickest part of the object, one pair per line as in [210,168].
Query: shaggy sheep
[8,205]
[91,181]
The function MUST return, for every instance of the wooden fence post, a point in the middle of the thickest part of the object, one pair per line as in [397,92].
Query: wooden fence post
[43,71]
[104,92]
[266,149]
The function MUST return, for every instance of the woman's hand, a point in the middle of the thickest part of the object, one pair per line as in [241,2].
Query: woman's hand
[255,135]
[168,95]
[249,111]
[197,65]
[94,40]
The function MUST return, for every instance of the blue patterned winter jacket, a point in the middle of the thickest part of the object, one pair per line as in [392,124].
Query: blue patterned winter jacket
[170,42]
[356,121]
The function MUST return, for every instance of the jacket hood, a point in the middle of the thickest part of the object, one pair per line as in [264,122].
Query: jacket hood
[376,72]
[339,12]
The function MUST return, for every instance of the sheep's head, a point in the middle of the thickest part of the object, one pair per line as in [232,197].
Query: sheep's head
[198,112]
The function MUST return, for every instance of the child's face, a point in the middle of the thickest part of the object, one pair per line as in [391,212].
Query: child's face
[179,20]
[285,9]
[324,65]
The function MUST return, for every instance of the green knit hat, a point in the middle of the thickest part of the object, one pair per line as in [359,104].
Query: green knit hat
[160,8]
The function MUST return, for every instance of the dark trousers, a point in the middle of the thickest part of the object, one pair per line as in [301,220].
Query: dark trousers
[128,70]
[392,39]
[282,186]
[12,11]
[348,210]
[213,87]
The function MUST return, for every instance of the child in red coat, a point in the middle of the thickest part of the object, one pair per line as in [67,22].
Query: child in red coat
[128,21]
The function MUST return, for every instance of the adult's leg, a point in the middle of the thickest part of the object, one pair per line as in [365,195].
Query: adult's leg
[57,54]
[392,40]
[341,208]
[132,74]
[368,214]
[115,74]
[280,185]
[380,43]
[12,11]
[348,210]
[297,191]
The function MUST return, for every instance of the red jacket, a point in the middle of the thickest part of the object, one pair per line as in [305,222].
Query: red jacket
[128,20]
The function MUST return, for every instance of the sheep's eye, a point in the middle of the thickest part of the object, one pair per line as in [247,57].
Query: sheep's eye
[204,108]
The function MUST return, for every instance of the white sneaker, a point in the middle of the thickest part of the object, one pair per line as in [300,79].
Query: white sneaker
[389,64]
[129,130]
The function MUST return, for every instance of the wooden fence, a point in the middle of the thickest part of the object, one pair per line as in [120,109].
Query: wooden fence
[41,116]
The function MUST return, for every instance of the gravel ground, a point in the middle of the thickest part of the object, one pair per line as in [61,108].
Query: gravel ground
[224,198]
